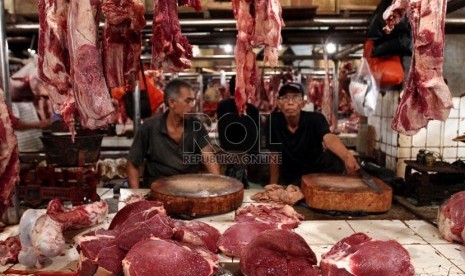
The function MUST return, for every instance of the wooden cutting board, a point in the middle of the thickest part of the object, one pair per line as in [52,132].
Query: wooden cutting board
[345,193]
[197,195]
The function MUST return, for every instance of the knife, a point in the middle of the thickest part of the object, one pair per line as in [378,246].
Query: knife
[366,178]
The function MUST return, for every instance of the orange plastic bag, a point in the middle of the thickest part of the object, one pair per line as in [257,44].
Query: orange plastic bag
[387,70]
[155,95]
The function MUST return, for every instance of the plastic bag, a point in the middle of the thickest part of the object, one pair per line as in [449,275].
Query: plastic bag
[364,90]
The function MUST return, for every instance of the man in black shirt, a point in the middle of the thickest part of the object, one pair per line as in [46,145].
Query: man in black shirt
[168,141]
[237,133]
[304,141]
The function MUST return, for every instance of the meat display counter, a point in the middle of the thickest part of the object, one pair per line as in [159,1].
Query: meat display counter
[430,255]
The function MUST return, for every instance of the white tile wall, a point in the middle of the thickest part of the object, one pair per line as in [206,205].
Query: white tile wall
[433,138]
[437,136]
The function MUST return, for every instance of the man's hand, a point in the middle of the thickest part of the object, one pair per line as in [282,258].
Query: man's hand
[45,123]
[351,164]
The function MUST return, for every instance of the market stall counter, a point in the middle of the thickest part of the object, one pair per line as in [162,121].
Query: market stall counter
[430,255]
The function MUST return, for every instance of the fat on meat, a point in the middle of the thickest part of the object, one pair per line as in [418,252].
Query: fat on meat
[9,156]
[451,218]
[359,254]
[41,234]
[53,60]
[284,216]
[278,253]
[171,50]
[275,193]
[122,40]
[168,258]
[53,57]
[235,238]
[426,96]
[92,96]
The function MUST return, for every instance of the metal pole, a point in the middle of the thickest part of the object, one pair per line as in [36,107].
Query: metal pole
[335,92]
[136,95]
[4,54]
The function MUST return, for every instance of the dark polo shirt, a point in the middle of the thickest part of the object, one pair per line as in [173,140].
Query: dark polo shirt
[163,156]
[300,150]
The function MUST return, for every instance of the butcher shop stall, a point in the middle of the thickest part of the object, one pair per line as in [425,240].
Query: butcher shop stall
[81,80]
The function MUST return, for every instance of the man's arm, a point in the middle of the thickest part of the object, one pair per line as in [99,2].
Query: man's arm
[133,175]
[334,144]
[209,156]
[274,169]
[23,125]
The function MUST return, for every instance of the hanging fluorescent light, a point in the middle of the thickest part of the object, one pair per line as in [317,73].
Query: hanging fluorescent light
[227,48]
[330,48]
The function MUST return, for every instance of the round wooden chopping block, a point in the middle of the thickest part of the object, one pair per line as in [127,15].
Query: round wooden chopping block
[345,193]
[198,194]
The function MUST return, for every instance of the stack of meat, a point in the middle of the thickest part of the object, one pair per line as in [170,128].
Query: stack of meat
[426,95]
[258,22]
[9,156]
[251,221]
[143,240]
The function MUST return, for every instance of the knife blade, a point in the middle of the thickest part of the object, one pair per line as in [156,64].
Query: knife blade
[366,178]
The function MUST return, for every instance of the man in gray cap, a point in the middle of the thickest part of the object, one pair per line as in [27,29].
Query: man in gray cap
[304,141]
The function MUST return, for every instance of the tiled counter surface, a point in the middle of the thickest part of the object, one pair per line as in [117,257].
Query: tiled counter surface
[430,254]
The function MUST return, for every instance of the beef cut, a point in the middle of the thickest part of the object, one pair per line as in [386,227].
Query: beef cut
[327,100]
[9,156]
[235,238]
[136,212]
[283,216]
[451,218]
[91,252]
[122,41]
[426,95]
[171,50]
[168,258]
[92,96]
[359,254]
[41,234]
[196,233]
[278,253]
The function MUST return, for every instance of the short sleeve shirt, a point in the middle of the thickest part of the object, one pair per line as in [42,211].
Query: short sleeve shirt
[299,150]
[162,155]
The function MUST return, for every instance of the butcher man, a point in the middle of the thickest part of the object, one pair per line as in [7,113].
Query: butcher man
[171,143]
[304,141]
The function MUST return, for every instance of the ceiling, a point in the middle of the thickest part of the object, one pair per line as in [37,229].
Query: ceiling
[211,29]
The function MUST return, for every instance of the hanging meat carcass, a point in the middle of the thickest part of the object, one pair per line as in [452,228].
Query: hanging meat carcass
[121,42]
[92,97]
[54,62]
[9,156]
[258,23]
[171,50]
[426,95]
[327,100]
